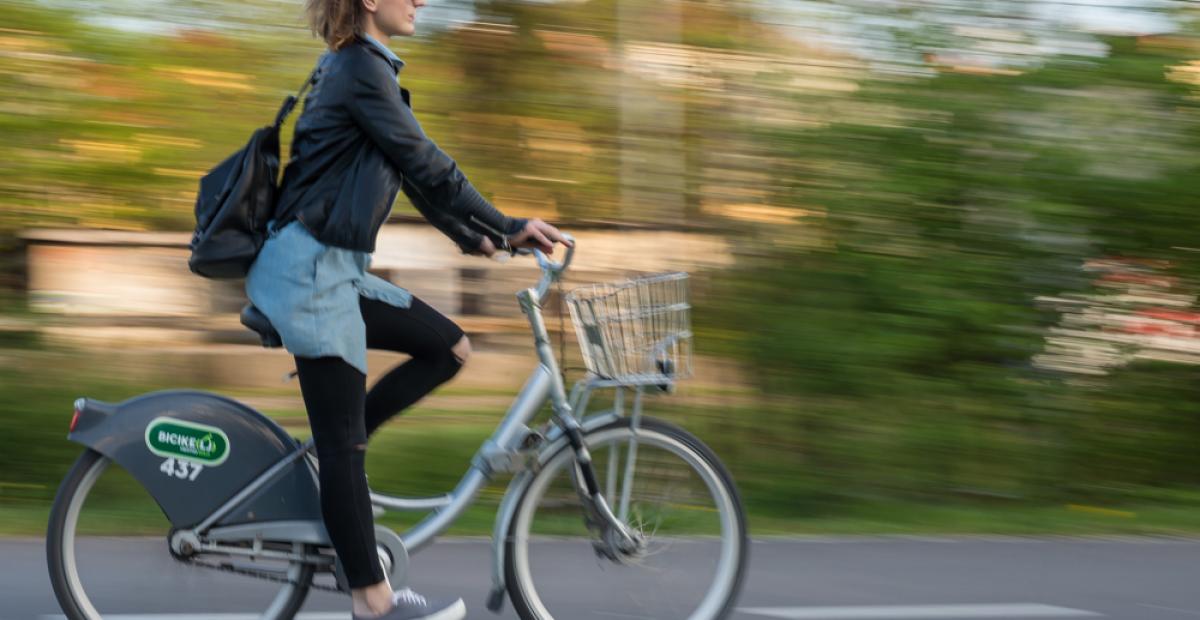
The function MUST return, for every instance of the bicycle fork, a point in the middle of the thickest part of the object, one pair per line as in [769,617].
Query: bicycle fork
[615,539]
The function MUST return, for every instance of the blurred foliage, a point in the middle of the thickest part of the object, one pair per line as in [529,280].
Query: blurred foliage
[894,323]
[426,451]
[112,128]
[899,202]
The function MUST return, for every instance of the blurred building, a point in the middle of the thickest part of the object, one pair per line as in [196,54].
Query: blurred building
[129,298]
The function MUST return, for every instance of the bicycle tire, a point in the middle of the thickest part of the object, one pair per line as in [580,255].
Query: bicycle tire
[526,603]
[60,535]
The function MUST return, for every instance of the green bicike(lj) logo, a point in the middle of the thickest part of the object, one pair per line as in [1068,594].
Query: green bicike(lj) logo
[207,445]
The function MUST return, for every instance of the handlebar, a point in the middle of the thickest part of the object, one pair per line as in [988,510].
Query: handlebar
[544,261]
[551,271]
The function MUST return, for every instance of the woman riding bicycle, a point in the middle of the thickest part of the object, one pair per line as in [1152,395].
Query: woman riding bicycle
[356,145]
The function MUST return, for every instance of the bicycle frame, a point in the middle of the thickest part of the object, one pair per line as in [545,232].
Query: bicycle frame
[510,449]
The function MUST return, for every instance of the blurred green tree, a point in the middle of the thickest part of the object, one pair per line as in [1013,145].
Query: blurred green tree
[894,324]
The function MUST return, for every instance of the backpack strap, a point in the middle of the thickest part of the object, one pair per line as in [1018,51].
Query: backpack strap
[290,103]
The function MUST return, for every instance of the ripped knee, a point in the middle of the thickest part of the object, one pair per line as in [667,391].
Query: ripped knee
[461,350]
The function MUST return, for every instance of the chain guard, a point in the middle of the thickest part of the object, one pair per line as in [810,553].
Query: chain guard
[264,575]
[271,576]
[392,554]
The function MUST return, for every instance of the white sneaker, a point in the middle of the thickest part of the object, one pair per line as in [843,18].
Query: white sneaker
[412,606]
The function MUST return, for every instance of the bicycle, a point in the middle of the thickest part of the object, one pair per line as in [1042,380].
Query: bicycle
[240,494]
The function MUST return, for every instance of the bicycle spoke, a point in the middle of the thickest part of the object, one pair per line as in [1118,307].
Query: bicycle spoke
[627,488]
[684,519]
[610,490]
[109,520]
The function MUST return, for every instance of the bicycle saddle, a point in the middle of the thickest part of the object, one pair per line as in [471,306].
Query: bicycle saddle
[254,319]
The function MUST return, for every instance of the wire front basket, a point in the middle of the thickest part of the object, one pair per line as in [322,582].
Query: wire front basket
[637,331]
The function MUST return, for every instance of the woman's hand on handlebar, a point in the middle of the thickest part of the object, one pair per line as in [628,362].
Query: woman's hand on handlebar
[539,235]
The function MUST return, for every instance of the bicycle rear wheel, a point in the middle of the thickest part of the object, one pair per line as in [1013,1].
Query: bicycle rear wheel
[673,493]
[108,556]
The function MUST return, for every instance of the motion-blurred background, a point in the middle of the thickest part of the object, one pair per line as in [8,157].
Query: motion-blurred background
[944,253]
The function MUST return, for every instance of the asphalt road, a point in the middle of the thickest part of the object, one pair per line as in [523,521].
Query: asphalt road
[812,579]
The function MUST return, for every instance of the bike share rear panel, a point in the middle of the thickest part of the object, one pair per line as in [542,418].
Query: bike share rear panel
[194,450]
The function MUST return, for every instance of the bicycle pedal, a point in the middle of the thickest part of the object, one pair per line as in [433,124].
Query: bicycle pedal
[495,600]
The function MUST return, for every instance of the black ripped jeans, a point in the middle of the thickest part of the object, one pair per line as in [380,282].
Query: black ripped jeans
[342,415]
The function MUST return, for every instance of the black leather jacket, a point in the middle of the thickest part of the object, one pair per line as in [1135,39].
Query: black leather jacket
[357,144]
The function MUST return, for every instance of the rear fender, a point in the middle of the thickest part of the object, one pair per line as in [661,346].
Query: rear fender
[192,451]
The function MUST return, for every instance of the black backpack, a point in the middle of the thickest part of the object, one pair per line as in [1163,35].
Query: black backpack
[236,200]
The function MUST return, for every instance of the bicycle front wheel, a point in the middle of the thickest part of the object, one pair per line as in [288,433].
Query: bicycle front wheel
[108,556]
[668,489]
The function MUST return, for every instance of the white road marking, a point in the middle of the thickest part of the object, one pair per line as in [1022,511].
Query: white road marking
[1174,609]
[329,615]
[924,612]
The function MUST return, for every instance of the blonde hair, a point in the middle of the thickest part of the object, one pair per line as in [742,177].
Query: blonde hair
[335,21]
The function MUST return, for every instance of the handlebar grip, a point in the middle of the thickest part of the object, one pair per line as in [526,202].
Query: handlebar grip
[566,262]
[544,261]
[551,271]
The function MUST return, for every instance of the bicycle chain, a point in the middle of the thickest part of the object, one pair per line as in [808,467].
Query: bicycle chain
[268,576]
